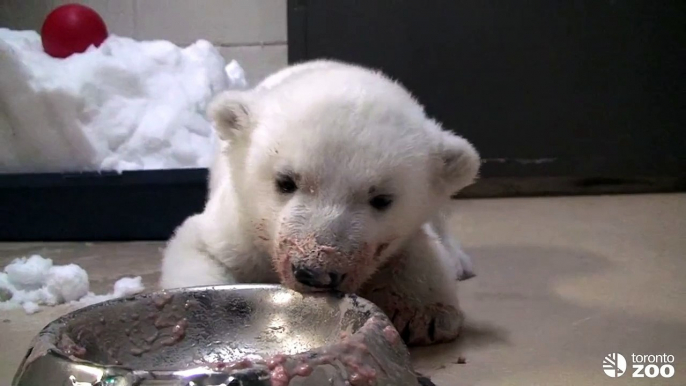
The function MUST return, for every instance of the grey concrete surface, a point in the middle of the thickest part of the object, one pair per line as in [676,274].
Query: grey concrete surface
[561,283]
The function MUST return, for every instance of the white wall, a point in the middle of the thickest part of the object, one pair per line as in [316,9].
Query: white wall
[251,31]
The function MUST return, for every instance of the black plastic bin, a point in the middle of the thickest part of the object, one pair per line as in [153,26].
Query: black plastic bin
[136,205]
[149,205]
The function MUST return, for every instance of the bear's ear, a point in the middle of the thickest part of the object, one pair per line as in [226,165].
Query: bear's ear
[459,163]
[230,113]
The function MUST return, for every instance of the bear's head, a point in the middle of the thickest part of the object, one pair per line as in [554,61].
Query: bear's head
[335,169]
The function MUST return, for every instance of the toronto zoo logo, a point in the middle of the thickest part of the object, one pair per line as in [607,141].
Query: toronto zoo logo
[645,366]
[614,365]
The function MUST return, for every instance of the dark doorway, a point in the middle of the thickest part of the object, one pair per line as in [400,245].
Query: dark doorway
[559,96]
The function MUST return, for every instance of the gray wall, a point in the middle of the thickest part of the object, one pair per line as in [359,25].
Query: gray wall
[253,32]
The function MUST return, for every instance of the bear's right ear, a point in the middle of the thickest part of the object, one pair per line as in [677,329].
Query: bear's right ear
[230,113]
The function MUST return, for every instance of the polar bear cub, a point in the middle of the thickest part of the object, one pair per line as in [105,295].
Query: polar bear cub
[330,176]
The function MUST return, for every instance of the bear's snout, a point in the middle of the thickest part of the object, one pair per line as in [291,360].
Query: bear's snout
[317,278]
[305,265]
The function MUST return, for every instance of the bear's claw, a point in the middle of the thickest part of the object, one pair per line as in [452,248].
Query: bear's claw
[436,323]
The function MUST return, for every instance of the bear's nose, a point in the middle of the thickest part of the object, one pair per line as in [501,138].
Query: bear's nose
[315,278]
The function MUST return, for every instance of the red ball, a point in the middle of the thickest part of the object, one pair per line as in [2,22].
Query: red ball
[71,29]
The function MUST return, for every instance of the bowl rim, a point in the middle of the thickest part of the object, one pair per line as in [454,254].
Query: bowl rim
[355,300]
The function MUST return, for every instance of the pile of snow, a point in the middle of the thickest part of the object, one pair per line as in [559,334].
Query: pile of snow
[33,282]
[126,105]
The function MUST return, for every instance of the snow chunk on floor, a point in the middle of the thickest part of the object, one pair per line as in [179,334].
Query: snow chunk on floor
[126,105]
[126,286]
[28,273]
[34,282]
[68,283]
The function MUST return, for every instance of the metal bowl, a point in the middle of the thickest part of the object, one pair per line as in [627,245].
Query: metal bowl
[250,335]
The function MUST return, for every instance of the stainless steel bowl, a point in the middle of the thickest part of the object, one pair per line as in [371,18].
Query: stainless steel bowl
[250,335]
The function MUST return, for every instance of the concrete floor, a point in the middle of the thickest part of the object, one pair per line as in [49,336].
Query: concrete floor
[562,283]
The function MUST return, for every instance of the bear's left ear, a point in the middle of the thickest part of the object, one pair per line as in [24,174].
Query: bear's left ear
[458,161]
[231,114]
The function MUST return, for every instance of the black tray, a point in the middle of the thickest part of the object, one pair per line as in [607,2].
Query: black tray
[149,205]
[136,205]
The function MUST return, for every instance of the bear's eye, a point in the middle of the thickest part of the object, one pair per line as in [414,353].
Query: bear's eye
[381,202]
[285,184]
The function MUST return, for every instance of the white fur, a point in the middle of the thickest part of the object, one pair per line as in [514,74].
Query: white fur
[342,130]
